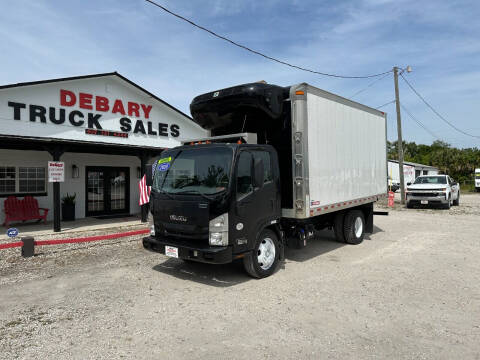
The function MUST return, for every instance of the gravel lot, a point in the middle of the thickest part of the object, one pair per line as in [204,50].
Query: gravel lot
[410,291]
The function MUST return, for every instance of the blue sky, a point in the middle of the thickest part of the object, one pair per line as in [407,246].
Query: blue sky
[440,39]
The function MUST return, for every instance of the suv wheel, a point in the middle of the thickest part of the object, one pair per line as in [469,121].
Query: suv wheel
[448,204]
[456,202]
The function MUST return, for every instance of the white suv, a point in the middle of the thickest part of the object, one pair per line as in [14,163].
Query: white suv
[477,180]
[433,190]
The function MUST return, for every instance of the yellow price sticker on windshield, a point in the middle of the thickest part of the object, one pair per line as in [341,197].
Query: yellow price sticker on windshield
[165,160]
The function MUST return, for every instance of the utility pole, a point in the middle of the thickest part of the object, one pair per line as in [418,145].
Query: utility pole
[400,140]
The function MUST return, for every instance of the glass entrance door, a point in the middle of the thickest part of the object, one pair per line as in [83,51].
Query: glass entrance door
[107,190]
[118,191]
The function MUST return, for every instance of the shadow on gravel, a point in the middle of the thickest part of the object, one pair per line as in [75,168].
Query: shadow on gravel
[209,274]
[323,243]
[233,274]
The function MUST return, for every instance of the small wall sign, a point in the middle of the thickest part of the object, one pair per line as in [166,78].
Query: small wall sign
[56,171]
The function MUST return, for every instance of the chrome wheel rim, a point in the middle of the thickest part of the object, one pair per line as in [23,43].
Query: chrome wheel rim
[358,227]
[266,253]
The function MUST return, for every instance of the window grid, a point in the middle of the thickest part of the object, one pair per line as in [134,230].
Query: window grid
[14,180]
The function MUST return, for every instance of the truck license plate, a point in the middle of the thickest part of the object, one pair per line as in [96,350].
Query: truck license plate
[424,202]
[171,251]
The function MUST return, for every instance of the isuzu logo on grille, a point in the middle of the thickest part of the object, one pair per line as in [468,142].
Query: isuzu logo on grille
[178,218]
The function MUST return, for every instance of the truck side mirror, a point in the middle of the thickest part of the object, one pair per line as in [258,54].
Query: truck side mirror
[149,174]
[259,174]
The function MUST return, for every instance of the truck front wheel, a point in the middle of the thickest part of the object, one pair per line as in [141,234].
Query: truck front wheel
[354,227]
[263,260]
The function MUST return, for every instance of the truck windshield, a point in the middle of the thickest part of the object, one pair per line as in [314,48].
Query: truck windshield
[195,171]
[431,180]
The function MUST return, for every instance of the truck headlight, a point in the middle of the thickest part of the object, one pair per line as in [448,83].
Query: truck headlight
[151,225]
[218,231]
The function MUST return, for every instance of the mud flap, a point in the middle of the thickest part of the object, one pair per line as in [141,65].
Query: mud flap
[368,213]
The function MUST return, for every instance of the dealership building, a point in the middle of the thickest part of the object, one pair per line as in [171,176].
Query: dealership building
[103,128]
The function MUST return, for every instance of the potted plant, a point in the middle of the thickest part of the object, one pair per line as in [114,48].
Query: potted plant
[68,207]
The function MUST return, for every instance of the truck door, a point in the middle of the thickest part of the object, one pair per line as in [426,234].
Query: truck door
[253,206]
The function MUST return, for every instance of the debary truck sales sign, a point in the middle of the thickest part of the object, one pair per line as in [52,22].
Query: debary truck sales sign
[97,109]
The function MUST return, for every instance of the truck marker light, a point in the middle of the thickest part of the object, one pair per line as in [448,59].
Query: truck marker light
[299,92]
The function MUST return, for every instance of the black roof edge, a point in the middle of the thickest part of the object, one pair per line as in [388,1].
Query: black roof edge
[39,82]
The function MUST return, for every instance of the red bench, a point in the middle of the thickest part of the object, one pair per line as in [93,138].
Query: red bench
[22,210]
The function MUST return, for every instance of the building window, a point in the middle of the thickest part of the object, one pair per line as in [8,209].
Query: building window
[14,180]
[7,179]
[31,179]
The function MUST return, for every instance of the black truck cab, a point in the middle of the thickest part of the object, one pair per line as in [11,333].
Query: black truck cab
[218,202]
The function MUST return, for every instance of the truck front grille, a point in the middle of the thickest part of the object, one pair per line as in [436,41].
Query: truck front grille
[425,194]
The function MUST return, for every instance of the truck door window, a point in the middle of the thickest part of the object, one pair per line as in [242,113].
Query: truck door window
[244,175]
[267,164]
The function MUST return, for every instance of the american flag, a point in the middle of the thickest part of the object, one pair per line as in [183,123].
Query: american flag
[144,191]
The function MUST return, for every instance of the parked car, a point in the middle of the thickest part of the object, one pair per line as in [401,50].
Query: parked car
[395,186]
[433,190]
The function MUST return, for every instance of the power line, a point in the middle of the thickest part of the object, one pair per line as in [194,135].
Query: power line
[259,53]
[435,111]
[419,123]
[369,85]
[388,103]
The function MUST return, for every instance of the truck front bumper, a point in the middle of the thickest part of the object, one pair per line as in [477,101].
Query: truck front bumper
[189,251]
[431,200]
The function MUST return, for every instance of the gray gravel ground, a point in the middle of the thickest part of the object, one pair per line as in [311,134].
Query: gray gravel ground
[410,291]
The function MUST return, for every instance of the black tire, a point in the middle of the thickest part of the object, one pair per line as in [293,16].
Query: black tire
[351,235]
[456,202]
[448,204]
[338,226]
[251,262]
[409,206]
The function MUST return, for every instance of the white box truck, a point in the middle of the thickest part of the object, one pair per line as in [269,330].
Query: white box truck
[281,163]
[394,175]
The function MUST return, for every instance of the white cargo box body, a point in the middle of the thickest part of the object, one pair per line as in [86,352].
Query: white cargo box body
[339,154]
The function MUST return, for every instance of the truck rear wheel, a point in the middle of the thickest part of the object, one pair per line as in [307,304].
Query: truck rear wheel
[263,259]
[338,226]
[354,227]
